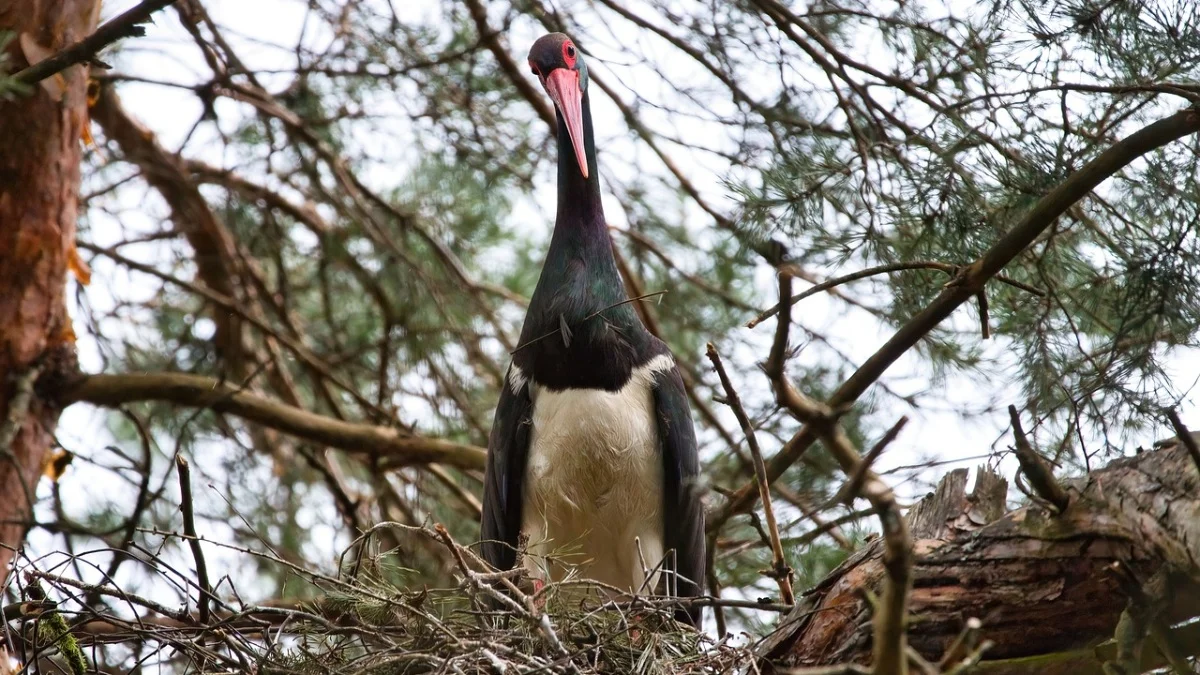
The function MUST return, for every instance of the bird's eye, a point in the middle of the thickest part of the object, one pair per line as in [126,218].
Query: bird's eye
[570,50]
[569,54]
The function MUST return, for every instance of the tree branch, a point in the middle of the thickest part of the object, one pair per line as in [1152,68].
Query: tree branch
[123,26]
[970,280]
[1040,475]
[870,272]
[890,643]
[780,570]
[206,392]
[189,531]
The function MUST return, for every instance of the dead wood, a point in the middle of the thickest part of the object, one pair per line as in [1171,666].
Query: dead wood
[1042,584]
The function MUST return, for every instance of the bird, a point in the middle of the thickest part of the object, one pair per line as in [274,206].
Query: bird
[592,466]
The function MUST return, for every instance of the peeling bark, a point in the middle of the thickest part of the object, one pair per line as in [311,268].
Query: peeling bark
[1041,584]
[40,151]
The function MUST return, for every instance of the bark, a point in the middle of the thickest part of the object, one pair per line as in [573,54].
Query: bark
[1043,585]
[40,151]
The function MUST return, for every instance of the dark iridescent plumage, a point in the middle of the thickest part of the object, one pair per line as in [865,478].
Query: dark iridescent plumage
[579,279]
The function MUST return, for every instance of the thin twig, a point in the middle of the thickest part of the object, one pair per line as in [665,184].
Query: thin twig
[875,271]
[1041,477]
[1185,437]
[985,328]
[779,568]
[189,529]
[594,314]
[963,645]
[853,487]
[123,26]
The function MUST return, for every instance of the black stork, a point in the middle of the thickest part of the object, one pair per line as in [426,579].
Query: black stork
[592,453]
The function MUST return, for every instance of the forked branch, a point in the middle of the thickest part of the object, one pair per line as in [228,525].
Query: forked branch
[890,644]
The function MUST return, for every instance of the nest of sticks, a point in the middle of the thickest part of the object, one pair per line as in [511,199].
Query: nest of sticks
[357,622]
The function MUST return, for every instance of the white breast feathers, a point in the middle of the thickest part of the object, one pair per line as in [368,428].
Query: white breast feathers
[594,482]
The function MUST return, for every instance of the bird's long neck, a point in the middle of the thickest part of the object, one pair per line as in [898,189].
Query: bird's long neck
[580,245]
[580,221]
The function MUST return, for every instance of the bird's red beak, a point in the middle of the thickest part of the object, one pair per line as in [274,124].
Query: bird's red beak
[563,86]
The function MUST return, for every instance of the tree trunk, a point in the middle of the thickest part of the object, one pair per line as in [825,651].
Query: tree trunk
[1043,585]
[40,152]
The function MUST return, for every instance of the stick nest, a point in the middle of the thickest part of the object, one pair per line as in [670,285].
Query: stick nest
[360,621]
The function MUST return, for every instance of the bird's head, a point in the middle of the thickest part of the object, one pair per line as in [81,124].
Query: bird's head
[558,65]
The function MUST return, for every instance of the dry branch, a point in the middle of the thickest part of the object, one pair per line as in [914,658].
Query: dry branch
[779,568]
[189,531]
[890,647]
[1185,437]
[126,25]
[1035,468]
[890,268]
[394,446]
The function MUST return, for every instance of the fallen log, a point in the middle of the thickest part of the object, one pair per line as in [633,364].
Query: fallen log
[1048,587]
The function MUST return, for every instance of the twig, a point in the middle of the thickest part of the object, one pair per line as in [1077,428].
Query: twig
[985,328]
[594,314]
[1041,477]
[648,244]
[779,569]
[890,644]
[963,645]
[968,664]
[875,271]
[524,603]
[1185,437]
[189,530]
[850,491]
[123,26]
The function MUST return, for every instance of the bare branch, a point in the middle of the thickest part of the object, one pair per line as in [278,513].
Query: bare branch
[875,271]
[388,443]
[189,531]
[1040,475]
[890,641]
[1185,437]
[780,570]
[126,25]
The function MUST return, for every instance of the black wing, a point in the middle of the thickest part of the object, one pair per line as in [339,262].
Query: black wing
[683,510]
[508,448]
